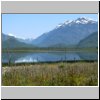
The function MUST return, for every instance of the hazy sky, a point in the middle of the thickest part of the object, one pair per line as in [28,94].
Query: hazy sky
[33,25]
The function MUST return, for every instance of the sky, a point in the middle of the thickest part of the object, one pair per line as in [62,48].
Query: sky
[33,25]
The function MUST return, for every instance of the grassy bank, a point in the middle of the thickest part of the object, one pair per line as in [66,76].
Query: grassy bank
[51,74]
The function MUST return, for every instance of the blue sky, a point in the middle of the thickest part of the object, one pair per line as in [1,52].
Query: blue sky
[33,25]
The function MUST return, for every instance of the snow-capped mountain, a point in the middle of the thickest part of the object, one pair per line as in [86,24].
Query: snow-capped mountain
[71,32]
[84,20]
[81,20]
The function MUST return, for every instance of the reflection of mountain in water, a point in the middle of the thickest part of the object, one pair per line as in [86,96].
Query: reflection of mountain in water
[12,56]
[40,57]
[47,57]
[88,55]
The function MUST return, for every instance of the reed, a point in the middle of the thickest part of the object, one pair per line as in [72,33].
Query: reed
[51,74]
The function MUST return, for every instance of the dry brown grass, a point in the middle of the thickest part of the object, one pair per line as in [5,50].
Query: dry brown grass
[54,74]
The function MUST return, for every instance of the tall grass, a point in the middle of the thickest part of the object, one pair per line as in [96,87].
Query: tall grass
[53,74]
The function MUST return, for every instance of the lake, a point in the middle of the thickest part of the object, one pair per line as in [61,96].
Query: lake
[48,56]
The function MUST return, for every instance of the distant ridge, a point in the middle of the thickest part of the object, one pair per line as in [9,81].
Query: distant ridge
[12,42]
[90,41]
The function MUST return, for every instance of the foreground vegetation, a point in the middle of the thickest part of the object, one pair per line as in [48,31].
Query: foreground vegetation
[51,74]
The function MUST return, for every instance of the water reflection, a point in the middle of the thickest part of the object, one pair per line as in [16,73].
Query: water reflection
[47,57]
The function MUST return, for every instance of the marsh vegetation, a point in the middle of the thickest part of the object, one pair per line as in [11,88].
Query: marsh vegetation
[51,74]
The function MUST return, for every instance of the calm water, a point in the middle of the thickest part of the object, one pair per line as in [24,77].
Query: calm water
[48,57]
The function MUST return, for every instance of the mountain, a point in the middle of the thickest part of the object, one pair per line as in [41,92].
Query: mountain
[27,41]
[68,33]
[90,41]
[12,42]
[4,37]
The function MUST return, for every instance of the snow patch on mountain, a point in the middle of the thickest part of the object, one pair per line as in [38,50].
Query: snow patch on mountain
[81,20]
[10,34]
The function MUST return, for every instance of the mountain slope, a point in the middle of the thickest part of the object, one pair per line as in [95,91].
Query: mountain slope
[4,37]
[12,42]
[68,33]
[90,41]
[27,41]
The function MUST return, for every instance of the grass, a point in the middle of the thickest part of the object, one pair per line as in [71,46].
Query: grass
[51,74]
